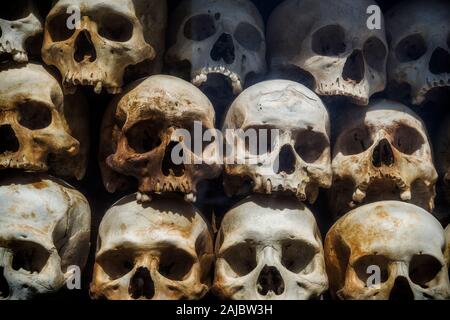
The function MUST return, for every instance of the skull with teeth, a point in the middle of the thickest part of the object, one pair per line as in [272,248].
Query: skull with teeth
[419,33]
[140,137]
[44,231]
[442,145]
[387,250]
[382,153]
[20,21]
[212,37]
[290,149]
[40,128]
[110,39]
[160,251]
[328,45]
[269,248]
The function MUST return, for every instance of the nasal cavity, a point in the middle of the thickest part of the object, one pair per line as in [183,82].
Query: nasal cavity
[354,67]
[440,61]
[142,285]
[286,160]
[270,281]
[170,165]
[8,140]
[382,154]
[84,48]
[401,290]
[223,49]
[4,287]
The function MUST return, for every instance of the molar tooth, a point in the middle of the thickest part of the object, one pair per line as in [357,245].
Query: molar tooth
[190,197]
[358,195]
[406,195]
[98,87]
[301,195]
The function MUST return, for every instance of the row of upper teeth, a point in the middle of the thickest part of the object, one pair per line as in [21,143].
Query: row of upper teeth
[19,56]
[73,80]
[443,81]
[300,190]
[203,77]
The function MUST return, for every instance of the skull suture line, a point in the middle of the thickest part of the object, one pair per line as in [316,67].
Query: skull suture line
[269,248]
[382,153]
[160,251]
[419,61]
[20,21]
[138,137]
[40,128]
[404,242]
[212,37]
[44,230]
[329,40]
[113,35]
[298,161]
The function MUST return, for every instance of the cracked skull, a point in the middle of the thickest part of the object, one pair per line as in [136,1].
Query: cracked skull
[217,40]
[40,128]
[382,153]
[159,251]
[419,35]
[111,37]
[403,243]
[283,142]
[44,230]
[328,45]
[269,248]
[140,137]
[20,22]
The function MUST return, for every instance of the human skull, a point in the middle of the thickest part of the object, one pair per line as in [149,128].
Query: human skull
[44,231]
[442,145]
[419,35]
[217,37]
[269,248]
[40,128]
[330,41]
[381,153]
[140,134]
[159,251]
[20,21]
[447,235]
[291,149]
[112,36]
[398,242]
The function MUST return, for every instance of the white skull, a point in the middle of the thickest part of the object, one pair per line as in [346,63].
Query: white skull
[44,231]
[330,41]
[442,145]
[19,22]
[159,251]
[398,242]
[139,136]
[112,36]
[381,153]
[298,160]
[419,61]
[269,248]
[40,128]
[447,235]
[217,37]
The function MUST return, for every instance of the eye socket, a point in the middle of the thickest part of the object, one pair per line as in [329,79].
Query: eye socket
[355,141]
[14,10]
[408,140]
[297,255]
[28,256]
[117,263]
[363,266]
[248,36]
[241,258]
[144,136]
[259,140]
[175,264]
[115,27]
[58,28]
[375,53]
[329,41]
[411,48]
[423,268]
[34,115]
[310,145]
[199,27]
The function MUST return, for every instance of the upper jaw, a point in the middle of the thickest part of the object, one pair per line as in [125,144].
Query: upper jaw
[201,76]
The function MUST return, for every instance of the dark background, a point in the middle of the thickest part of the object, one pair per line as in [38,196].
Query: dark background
[212,197]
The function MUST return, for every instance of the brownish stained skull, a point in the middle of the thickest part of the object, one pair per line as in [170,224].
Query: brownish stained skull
[139,136]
